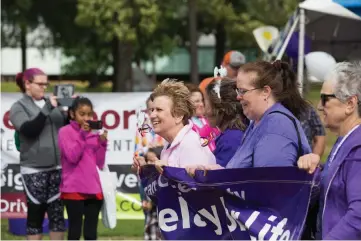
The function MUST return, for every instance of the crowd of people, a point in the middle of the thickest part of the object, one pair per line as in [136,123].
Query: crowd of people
[260,119]
[232,120]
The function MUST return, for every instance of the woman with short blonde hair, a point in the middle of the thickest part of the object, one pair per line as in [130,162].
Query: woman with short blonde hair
[171,111]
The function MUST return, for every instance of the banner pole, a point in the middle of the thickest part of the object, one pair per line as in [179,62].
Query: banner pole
[301,50]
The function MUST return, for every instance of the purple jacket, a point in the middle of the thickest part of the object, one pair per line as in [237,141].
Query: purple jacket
[80,153]
[227,144]
[341,216]
[272,142]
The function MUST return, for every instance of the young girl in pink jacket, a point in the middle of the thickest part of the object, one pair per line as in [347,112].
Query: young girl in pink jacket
[82,150]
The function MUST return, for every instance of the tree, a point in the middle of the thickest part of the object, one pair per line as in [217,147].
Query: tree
[89,54]
[192,9]
[256,13]
[118,21]
[17,18]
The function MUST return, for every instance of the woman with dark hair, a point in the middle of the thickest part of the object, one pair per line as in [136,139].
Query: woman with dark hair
[201,124]
[151,228]
[270,99]
[37,120]
[224,111]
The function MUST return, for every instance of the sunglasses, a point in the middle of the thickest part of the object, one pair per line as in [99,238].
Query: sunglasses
[326,97]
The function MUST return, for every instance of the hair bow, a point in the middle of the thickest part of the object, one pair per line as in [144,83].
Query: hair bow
[222,72]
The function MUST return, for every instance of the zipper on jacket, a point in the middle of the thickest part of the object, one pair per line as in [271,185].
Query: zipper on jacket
[327,190]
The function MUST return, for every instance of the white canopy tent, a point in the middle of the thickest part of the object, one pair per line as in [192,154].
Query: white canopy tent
[331,26]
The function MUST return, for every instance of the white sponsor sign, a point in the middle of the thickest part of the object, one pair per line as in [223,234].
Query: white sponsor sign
[116,110]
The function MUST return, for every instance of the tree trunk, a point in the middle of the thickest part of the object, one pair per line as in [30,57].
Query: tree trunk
[220,43]
[154,70]
[23,44]
[122,66]
[94,80]
[193,34]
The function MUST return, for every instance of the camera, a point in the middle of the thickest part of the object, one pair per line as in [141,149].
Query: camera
[64,93]
[95,125]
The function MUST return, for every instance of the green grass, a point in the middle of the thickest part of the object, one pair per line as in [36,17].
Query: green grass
[125,229]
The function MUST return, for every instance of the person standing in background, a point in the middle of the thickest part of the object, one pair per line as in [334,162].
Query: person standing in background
[314,130]
[200,123]
[224,111]
[145,138]
[232,61]
[37,120]
[82,153]
[151,228]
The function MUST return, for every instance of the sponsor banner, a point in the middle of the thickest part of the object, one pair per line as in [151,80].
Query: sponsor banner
[247,203]
[118,113]
[13,200]
[116,110]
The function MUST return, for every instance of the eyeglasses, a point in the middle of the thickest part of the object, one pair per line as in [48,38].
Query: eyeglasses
[326,97]
[242,92]
[41,84]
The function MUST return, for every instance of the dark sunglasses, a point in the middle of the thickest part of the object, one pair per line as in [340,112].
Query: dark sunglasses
[326,97]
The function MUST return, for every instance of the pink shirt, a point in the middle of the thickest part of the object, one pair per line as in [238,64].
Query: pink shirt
[205,131]
[186,150]
[80,152]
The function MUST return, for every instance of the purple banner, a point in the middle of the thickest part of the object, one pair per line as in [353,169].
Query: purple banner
[249,203]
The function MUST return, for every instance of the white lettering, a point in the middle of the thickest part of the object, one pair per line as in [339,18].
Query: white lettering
[213,218]
[15,206]
[278,230]
[163,221]
[251,219]
[198,221]
[10,180]
[131,180]
[160,183]
[184,212]
[233,224]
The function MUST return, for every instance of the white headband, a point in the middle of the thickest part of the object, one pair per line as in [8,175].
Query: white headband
[221,72]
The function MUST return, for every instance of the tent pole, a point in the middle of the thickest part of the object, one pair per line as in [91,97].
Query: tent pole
[301,50]
[285,43]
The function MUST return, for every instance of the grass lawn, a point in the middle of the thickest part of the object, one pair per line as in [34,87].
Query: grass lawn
[125,229]
[130,229]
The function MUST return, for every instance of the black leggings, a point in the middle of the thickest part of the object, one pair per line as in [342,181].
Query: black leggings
[76,209]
